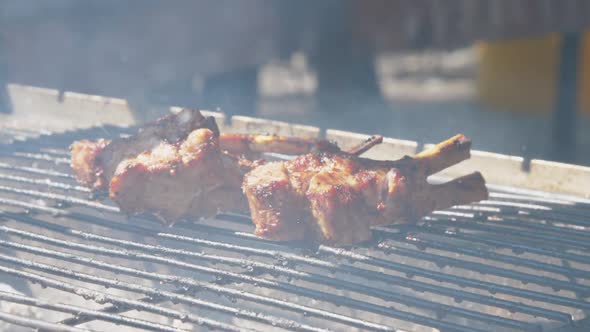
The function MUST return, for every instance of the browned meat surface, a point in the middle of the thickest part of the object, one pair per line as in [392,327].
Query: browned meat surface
[83,163]
[335,198]
[180,166]
[191,178]
[182,172]
[95,163]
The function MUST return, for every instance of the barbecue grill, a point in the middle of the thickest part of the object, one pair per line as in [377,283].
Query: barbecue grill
[70,261]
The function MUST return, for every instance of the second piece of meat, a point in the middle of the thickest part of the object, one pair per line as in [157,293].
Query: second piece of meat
[335,198]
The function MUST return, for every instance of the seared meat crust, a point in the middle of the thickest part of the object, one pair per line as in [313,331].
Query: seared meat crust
[335,198]
[95,162]
[83,163]
[191,178]
[178,166]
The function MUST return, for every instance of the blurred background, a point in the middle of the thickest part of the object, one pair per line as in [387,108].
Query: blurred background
[512,74]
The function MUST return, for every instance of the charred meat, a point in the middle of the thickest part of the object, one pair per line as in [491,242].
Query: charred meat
[192,178]
[181,166]
[94,163]
[335,198]
[189,172]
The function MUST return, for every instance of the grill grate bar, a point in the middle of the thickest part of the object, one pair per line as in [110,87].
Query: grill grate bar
[439,276]
[117,319]
[570,218]
[461,281]
[57,152]
[157,295]
[270,320]
[112,309]
[37,156]
[475,225]
[505,243]
[38,324]
[306,260]
[558,300]
[272,269]
[487,269]
[34,170]
[386,295]
[574,215]
[44,182]
[101,297]
[412,271]
[182,282]
[298,290]
[544,220]
[574,206]
[559,269]
[469,220]
[61,198]
[459,295]
[168,279]
[548,228]
[32,207]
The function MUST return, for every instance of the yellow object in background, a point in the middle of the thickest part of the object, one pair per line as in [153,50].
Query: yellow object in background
[519,75]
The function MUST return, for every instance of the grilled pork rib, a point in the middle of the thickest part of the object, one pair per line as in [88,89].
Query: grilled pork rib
[94,163]
[192,178]
[192,172]
[335,198]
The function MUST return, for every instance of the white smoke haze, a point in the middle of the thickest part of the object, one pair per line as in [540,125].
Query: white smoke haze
[154,54]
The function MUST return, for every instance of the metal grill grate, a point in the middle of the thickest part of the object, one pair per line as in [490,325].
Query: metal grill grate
[516,262]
